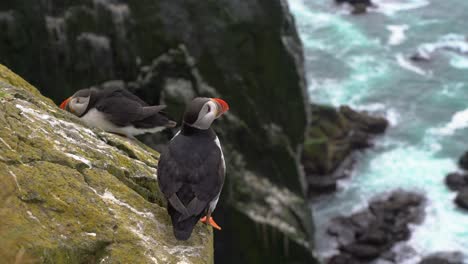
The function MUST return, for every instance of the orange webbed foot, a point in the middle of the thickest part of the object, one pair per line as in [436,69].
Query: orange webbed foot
[210,222]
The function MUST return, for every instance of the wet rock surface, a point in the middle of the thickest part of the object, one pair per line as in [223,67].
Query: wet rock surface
[359,6]
[458,181]
[464,161]
[462,198]
[333,136]
[443,258]
[371,233]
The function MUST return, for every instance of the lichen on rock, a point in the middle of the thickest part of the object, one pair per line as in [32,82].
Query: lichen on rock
[71,194]
[247,52]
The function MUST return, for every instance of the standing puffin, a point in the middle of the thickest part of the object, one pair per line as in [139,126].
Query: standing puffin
[118,111]
[191,171]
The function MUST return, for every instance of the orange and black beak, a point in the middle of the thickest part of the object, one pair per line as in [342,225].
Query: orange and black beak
[223,107]
[64,104]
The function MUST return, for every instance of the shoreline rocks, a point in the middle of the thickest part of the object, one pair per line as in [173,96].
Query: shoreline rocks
[462,199]
[463,162]
[371,233]
[359,6]
[458,181]
[443,258]
[334,135]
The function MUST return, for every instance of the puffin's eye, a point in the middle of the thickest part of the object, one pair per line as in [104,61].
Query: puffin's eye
[208,108]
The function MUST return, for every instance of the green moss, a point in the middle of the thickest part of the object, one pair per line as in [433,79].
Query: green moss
[73,198]
[8,76]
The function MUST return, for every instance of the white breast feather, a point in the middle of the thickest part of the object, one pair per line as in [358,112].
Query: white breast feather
[97,119]
[215,200]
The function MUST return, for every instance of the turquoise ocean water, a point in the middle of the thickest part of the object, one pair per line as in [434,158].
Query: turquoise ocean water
[363,61]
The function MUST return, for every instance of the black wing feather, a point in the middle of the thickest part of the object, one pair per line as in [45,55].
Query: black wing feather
[192,169]
[124,111]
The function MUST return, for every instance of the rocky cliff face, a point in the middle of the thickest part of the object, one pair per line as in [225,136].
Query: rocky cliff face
[247,52]
[69,194]
[334,135]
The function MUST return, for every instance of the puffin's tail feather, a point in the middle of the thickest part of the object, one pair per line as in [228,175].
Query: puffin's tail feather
[182,229]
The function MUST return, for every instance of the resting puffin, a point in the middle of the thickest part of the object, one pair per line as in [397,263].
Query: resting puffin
[191,171]
[118,111]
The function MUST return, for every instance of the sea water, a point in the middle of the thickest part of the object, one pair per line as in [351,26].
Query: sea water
[363,61]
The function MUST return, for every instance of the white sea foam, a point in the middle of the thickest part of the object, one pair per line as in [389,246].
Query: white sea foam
[459,121]
[451,42]
[452,89]
[397,34]
[391,7]
[408,156]
[455,42]
[459,62]
[374,107]
[405,64]
[392,116]
[341,34]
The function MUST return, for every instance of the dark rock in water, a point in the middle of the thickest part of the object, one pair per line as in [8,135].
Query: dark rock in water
[420,57]
[359,140]
[355,2]
[371,233]
[457,181]
[444,258]
[321,184]
[366,122]
[359,6]
[362,251]
[374,237]
[343,259]
[339,228]
[463,162]
[462,198]
[333,136]
[359,9]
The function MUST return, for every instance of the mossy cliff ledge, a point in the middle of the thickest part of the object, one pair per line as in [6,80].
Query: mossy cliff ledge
[70,194]
[167,52]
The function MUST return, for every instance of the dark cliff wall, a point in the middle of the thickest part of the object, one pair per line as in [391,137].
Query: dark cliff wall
[247,52]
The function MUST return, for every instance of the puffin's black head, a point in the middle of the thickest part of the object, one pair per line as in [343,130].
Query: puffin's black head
[78,103]
[202,111]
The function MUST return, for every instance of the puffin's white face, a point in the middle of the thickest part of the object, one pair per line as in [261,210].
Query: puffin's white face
[202,111]
[78,105]
[208,113]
